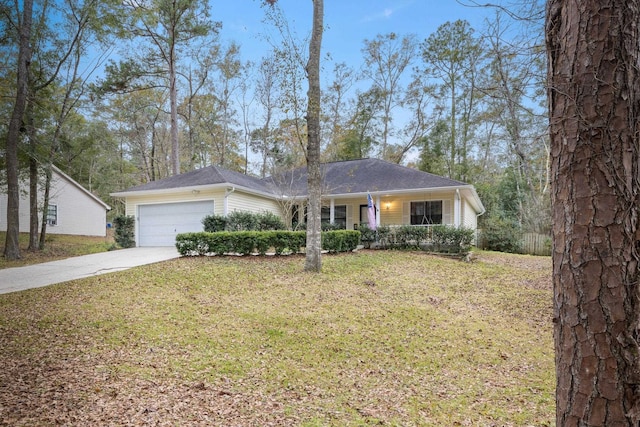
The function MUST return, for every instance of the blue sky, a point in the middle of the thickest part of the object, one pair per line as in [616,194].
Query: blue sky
[347,22]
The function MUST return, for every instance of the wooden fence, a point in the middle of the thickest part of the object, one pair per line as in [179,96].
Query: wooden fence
[532,243]
[536,244]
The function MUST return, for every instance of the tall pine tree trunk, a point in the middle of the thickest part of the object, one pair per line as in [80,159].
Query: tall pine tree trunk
[33,179]
[594,97]
[173,100]
[313,261]
[12,247]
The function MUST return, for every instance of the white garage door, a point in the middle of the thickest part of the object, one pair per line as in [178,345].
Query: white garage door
[159,224]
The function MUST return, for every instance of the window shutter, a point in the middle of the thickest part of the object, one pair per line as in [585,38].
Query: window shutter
[406,213]
[447,214]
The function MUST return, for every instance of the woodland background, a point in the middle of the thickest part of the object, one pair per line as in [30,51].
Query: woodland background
[116,86]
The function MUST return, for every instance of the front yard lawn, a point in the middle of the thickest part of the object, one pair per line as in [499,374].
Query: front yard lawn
[379,338]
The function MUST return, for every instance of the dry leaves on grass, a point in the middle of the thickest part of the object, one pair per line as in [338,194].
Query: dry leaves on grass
[379,338]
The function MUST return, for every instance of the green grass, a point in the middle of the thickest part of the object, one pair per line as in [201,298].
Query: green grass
[57,246]
[378,338]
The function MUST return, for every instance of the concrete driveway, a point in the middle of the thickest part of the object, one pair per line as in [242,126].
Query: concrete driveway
[37,275]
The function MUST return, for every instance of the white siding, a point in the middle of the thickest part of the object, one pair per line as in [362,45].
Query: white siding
[78,212]
[239,201]
[469,216]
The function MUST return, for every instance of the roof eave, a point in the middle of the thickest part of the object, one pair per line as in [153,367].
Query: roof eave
[470,189]
[191,188]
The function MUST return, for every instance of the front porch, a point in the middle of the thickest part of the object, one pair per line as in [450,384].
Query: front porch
[419,209]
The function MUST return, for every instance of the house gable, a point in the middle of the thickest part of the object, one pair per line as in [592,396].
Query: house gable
[77,211]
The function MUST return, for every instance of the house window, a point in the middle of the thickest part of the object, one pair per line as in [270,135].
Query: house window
[424,213]
[52,215]
[339,216]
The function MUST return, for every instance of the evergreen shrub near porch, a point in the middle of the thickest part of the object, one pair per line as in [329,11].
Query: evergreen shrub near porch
[249,242]
[435,238]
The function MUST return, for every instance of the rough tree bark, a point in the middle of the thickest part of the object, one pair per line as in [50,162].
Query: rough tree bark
[11,247]
[313,260]
[594,102]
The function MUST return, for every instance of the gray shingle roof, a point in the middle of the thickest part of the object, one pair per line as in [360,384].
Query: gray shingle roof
[209,175]
[361,176]
[346,177]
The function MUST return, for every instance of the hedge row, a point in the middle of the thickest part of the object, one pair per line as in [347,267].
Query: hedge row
[437,238]
[261,242]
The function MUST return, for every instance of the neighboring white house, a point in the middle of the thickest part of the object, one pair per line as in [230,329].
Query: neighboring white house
[402,195]
[72,208]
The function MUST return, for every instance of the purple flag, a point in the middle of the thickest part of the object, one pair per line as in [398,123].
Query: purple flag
[371,212]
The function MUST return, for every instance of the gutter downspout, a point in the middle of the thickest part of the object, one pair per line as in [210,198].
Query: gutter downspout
[456,209]
[477,215]
[227,192]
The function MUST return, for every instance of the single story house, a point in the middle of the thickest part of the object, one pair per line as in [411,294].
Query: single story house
[72,208]
[402,195]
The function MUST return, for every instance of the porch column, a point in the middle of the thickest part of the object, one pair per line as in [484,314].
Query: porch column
[332,213]
[457,209]
[378,211]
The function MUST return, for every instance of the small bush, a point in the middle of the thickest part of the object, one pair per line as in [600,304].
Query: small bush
[446,238]
[125,231]
[241,221]
[288,241]
[340,240]
[502,235]
[269,221]
[214,223]
[327,226]
[367,235]
[411,236]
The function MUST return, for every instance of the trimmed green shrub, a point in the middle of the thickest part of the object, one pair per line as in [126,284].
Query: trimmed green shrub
[248,242]
[241,242]
[367,235]
[214,223]
[340,240]
[269,221]
[411,236]
[125,231]
[385,237]
[446,238]
[327,226]
[287,241]
[241,221]
[438,238]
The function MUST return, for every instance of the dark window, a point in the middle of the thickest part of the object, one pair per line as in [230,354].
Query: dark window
[52,215]
[339,216]
[423,213]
